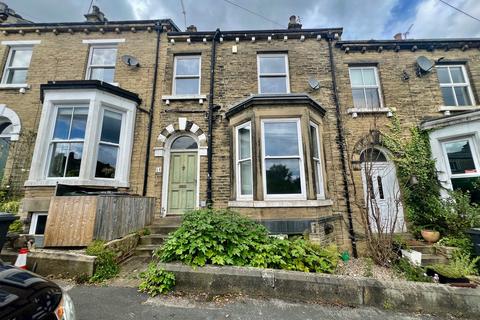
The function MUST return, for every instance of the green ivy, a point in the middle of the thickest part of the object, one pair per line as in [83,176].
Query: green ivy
[223,237]
[106,266]
[156,280]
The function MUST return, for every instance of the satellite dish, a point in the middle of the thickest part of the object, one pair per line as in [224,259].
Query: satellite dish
[314,84]
[424,64]
[130,61]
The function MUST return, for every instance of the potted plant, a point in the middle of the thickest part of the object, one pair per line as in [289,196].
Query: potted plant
[430,235]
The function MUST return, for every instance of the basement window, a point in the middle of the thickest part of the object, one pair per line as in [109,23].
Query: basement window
[273,73]
[38,224]
[455,85]
[187,78]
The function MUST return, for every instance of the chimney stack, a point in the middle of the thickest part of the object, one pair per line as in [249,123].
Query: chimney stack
[294,23]
[9,16]
[191,28]
[398,36]
[96,15]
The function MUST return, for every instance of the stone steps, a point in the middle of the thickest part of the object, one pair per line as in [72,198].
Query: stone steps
[429,259]
[159,230]
[162,229]
[424,249]
[156,239]
[146,250]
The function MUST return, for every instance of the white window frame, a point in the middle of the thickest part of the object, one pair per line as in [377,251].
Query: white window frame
[6,70]
[363,87]
[33,223]
[292,196]
[99,140]
[175,76]
[90,66]
[279,75]
[53,141]
[318,163]
[457,84]
[474,151]
[238,178]
[96,100]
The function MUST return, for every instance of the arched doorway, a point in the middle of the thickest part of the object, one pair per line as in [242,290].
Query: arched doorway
[381,192]
[180,191]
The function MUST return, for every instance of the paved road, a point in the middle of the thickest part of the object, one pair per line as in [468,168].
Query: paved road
[126,303]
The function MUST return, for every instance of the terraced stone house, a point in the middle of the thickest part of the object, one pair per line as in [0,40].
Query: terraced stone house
[274,124]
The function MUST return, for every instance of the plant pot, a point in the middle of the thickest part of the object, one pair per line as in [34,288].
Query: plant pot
[430,236]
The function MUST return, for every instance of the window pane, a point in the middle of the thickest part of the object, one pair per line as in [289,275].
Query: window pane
[74,160]
[21,58]
[187,86]
[272,64]
[369,77]
[373,101]
[183,143]
[281,139]
[314,135]
[244,142]
[317,169]
[111,127]
[273,85]
[104,56]
[246,177]
[62,124]
[372,155]
[106,162]
[103,74]
[448,99]
[79,123]
[443,76]
[457,75]
[283,176]
[358,98]
[356,77]
[469,185]
[460,157]
[58,160]
[41,224]
[463,98]
[17,76]
[188,67]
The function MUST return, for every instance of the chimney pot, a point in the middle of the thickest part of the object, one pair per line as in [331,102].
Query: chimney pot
[191,28]
[294,23]
[398,36]
[96,15]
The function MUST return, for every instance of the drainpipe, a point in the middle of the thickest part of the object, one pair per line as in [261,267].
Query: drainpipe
[341,146]
[158,29]
[210,118]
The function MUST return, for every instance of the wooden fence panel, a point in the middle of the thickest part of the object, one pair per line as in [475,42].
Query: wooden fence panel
[71,221]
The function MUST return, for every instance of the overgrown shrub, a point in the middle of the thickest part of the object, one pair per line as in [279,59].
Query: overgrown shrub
[156,280]
[223,237]
[16,226]
[460,266]
[106,266]
[410,271]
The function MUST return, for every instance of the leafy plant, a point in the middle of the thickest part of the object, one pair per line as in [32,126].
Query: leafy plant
[410,271]
[462,242]
[222,237]
[16,226]
[156,280]
[460,266]
[106,266]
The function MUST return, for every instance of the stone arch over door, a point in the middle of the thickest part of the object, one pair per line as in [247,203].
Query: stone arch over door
[374,139]
[7,115]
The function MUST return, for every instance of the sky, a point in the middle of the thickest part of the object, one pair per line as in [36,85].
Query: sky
[361,19]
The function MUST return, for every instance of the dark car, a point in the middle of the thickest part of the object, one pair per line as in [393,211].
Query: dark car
[26,295]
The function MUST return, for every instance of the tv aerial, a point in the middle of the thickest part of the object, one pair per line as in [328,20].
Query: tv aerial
[424,65]
[130,61]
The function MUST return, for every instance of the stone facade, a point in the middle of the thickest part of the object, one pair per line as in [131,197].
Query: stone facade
[62,55]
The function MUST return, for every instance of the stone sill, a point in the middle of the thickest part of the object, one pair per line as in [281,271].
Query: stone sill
[280,204]
[355,111]
[77,182]
[447,109]
[15,86]
[200,97]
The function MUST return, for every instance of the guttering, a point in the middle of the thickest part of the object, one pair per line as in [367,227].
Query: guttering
[158,30]
[410,44]
[210,118]
[341,146]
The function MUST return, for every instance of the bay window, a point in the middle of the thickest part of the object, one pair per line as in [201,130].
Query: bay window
[317,167]
[283,175]
[109,144]
[244,161]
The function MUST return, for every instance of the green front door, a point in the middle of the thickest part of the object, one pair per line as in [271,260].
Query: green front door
[182,185]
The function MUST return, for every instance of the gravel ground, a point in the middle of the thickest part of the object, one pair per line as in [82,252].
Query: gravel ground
[364,267]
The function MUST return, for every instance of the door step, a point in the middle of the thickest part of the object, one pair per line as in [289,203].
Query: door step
[154,239]
[146,250]
[430,259]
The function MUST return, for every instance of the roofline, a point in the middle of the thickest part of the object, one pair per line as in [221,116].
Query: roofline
[393,41]
[86,23]
[267,32]
[89,84]
[409,44]
[274,99]
[450,120]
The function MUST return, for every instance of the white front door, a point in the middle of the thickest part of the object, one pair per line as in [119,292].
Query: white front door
[382,194]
